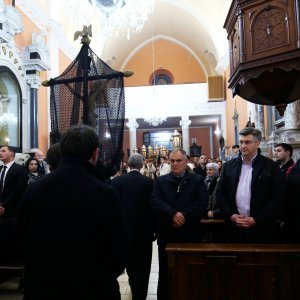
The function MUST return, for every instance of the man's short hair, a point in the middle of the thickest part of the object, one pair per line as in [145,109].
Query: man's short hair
[10,149]
[79,142]
[250,130]
[286,147]
[53,156]
[135,161]
[235,147]
[181,151]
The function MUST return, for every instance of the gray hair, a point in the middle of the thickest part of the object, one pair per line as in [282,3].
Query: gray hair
[213,165]
[181,151]
[135,161]
[251,130]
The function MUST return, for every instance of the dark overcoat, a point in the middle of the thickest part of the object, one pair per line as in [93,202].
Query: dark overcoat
[187,195]
[74,236]
[267,193]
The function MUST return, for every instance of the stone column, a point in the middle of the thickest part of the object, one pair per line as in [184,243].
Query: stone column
[292,115]
[185,123]
[34,84]
[291,132]
[132,124]
[261,119]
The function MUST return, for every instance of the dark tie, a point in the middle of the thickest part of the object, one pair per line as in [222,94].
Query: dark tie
[2,178]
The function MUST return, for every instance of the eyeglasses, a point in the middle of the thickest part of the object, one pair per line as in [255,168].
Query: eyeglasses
[178,161]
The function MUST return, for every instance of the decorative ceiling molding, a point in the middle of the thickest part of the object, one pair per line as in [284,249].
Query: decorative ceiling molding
[11,22]
[46,24]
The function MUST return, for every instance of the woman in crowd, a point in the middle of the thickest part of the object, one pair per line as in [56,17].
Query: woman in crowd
[32,169]
[211,181]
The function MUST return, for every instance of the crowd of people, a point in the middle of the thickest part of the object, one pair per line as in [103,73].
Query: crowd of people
[77,232]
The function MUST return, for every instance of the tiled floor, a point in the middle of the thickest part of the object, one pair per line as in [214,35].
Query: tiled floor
[9,289]
[123,280]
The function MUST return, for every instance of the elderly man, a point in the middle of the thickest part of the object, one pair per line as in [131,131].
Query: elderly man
[43,166]
[250,192]
[135,191]
[179,200]
[72,228]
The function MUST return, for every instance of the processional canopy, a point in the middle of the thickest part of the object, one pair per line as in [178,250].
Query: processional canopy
[92,93]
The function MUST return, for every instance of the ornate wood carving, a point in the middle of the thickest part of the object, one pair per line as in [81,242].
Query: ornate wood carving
[269,29]
[265,50]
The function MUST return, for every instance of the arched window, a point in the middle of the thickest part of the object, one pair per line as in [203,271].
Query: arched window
[10,109]
[162,76]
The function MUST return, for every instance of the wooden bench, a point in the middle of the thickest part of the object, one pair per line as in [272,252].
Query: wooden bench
[12,268]
[234,271]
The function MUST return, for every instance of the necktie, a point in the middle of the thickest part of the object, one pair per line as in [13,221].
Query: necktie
[2,178]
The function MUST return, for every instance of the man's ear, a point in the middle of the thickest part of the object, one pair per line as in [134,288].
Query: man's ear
[94,158]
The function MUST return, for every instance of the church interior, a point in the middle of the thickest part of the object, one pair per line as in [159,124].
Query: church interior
[180,58]
[202,70]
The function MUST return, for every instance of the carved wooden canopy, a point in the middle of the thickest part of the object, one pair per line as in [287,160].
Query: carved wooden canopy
[264,41]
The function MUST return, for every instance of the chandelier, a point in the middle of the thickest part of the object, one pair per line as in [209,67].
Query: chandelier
[155,121]
[8,119]
[121,17]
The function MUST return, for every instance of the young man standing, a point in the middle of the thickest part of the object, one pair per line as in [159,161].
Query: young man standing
[283,156]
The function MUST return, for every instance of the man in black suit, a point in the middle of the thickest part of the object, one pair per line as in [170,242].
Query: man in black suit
[135,193]
[13,182]
[72,228]
[250,193]
[179,200]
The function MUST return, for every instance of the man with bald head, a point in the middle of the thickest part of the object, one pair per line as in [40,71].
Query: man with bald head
[42,166]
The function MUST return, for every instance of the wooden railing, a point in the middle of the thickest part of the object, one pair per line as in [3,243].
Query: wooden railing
[234,271]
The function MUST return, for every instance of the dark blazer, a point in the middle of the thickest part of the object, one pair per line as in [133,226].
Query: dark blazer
[74,236]
[187,195]
[199,170]
[267,192]
[14,187]
[293,204]
[135,192]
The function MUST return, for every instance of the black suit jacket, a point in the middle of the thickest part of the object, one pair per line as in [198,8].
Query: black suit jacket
[187,195]
[267,189]
[135,192]
[74,236]
[14,187]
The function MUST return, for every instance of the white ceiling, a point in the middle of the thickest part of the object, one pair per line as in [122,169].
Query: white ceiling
[196,25]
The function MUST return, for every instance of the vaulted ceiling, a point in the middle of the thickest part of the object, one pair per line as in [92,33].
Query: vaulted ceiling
[196,25]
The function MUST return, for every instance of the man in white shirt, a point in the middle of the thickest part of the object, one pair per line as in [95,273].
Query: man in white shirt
[251,192]
[164,168]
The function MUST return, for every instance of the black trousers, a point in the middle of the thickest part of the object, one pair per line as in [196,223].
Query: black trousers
[138,269]
[10,247]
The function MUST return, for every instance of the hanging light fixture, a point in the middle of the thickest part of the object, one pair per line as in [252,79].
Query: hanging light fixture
[122,17]
[8,119]
[156,113]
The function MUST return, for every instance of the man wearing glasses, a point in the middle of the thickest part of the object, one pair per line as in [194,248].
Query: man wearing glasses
[250,192]
[179,200]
